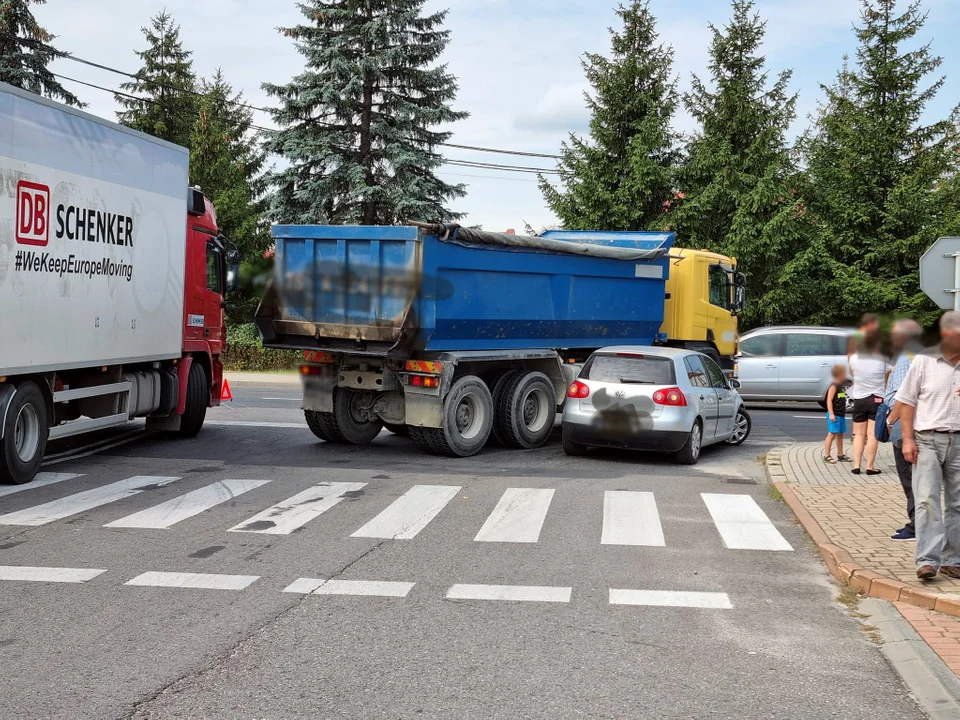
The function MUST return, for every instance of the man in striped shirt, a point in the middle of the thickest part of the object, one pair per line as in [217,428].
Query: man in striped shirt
[930,416]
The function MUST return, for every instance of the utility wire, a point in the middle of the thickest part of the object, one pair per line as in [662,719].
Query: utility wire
[73,58]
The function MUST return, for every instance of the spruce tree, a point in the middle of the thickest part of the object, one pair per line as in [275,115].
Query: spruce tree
[882,184]
[166,84]
[25,52]
[226,162]
[622,177]
[741,196]
[359,125]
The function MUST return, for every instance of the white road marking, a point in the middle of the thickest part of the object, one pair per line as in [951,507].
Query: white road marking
[666,598]
[48,574]
[518,517]
[303,586]
[742,524]
[83,501]
[41,480]
[809,417]
[250,423]
[631,518]
[186,506]
[515,593]
[294,512]
[368,588]
[409,514]
[199,581]
[290,398]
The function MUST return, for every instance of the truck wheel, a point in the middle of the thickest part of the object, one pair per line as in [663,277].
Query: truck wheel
[689,454]
[419,438]
[398,430]
[352,427]
[467,419]
[527,410]
[316,423]
[24,435]
[198,397]
[501,382]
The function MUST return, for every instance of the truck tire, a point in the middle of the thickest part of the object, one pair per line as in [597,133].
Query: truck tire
[689,454]
[497,437]
[467,419]
[24,435]
[526,410]
[349,427]
[317,424]
[198,397]
[398,430]
[420,439]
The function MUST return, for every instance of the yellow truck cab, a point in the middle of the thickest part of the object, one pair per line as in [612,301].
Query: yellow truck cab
[704,295]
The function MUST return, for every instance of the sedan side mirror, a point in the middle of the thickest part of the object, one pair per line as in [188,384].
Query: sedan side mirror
[735,384]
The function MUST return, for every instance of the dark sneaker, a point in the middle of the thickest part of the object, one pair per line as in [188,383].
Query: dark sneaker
[927,572]
[904,534]
[951,571]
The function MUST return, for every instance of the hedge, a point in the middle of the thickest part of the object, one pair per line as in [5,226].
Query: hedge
[245,353]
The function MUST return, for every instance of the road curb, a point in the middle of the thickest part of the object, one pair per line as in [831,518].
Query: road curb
[842,565]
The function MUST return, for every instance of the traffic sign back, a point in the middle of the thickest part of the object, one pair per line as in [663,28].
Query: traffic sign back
[938,273]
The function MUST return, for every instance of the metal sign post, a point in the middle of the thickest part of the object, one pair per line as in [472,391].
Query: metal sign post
[940,273]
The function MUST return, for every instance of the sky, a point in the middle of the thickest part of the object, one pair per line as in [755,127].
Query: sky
[517,62]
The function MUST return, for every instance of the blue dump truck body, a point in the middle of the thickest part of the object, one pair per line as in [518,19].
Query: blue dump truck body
[402,290]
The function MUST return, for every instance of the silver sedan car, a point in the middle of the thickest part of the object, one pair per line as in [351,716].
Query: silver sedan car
[653,398]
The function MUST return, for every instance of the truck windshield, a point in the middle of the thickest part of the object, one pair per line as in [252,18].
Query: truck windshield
[640,370]
[721,288]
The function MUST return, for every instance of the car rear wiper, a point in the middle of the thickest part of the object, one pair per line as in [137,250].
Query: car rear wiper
[629,381]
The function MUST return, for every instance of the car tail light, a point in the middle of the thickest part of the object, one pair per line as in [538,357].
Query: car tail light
[578,390]
[672,397]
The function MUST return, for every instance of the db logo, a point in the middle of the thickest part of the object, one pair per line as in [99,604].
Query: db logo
[33,213]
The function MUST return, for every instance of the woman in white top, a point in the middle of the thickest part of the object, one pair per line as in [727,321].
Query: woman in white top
[869,370]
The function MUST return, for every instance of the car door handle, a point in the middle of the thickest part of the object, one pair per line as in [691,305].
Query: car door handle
[771,367]
[824,364]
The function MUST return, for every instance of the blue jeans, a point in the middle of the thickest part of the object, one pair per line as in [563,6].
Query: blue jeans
[937,469]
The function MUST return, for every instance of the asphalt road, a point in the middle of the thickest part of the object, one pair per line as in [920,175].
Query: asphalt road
[735,619]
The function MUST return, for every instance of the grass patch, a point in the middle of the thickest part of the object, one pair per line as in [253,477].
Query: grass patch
[774,493]
[762,459]
[245,352]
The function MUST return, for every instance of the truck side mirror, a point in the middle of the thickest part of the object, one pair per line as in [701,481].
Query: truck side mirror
[233,270]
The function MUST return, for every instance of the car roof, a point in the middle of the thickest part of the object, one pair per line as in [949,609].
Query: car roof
[645,350]
[772,329]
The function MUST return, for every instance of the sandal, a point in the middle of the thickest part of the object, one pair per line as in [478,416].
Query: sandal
[843,458]
[829,459]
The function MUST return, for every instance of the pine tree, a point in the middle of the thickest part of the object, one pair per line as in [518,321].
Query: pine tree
[226,162]
[358,125]
[25,52]
[741,196]
[166,83]
[622,178]
[882,184]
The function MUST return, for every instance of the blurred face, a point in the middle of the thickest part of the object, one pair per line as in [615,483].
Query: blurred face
[950,340]
[898,341]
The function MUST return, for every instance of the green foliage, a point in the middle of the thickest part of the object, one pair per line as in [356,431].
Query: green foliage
[227,164]
[245,353]
[166,82]
[740,191]
[358,123]
[622,178]
[25,52]
[881,185]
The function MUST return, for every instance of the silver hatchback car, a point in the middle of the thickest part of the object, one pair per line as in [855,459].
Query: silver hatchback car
[653,398]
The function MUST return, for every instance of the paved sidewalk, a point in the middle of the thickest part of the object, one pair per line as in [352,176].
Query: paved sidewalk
[851,518]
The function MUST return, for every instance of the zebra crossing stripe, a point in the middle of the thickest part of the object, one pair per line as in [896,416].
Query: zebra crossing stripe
[365,588]
[667,598]
[303,586]
[294,512]
[41,480]
[631,518]
[83,501]
[198,581]
[169,513]
[518,517]
[47,574]
[409,514]
[514,593]
[742,524]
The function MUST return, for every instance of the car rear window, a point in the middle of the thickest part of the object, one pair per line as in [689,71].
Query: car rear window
[650,370]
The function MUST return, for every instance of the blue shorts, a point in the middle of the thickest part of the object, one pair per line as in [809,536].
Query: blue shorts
[838,426]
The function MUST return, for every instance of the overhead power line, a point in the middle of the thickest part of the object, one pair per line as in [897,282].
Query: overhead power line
[74,58]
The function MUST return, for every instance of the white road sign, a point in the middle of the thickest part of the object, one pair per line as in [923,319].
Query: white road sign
[940,273]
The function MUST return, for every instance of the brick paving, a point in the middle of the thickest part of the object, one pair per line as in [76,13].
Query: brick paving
[941,632]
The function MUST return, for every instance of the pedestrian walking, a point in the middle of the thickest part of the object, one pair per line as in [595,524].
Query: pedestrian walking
[836,416]
[869,370]
[930,416]
[905,346]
